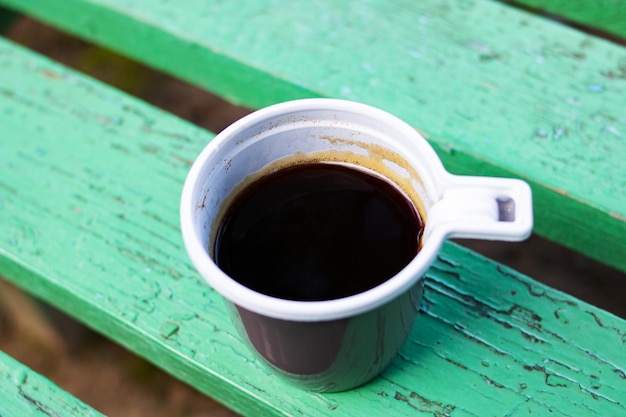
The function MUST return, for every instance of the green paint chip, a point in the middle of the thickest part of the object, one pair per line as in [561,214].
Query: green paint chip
[169,329]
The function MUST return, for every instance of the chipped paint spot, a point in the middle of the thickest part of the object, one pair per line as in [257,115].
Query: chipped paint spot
[558,133]
[617,216]
[169,329]
[595,88]
[612,129]
[51,75]
[420,403]
[492,382]
[560,315]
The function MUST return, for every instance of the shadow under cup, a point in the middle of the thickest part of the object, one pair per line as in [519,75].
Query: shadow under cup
[337,344]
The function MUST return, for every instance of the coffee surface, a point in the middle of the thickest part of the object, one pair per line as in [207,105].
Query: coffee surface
[317,231]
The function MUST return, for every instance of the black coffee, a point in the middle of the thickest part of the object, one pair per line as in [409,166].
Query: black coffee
[317,232]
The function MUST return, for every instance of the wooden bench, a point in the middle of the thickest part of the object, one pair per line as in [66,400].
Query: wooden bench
[91,178]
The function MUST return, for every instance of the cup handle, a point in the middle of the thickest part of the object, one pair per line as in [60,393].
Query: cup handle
[482,208]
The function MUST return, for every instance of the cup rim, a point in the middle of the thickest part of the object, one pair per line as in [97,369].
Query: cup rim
[293,310]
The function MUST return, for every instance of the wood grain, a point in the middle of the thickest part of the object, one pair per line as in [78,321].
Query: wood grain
[496,90]
[89,190]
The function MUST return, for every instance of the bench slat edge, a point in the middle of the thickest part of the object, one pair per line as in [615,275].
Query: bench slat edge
[604,15]
[24,392]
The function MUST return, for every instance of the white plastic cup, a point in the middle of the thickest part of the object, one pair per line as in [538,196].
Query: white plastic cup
[339,344]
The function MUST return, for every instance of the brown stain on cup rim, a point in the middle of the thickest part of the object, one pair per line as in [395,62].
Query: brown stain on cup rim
[377,160]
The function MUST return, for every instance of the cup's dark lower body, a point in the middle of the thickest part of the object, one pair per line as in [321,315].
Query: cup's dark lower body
[332,355]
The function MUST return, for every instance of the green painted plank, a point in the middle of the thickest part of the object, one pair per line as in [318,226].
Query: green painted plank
[24,393]
[90,181]
[493,88]
[606,15]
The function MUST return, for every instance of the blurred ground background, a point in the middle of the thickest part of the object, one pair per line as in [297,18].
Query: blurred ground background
[119,383]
